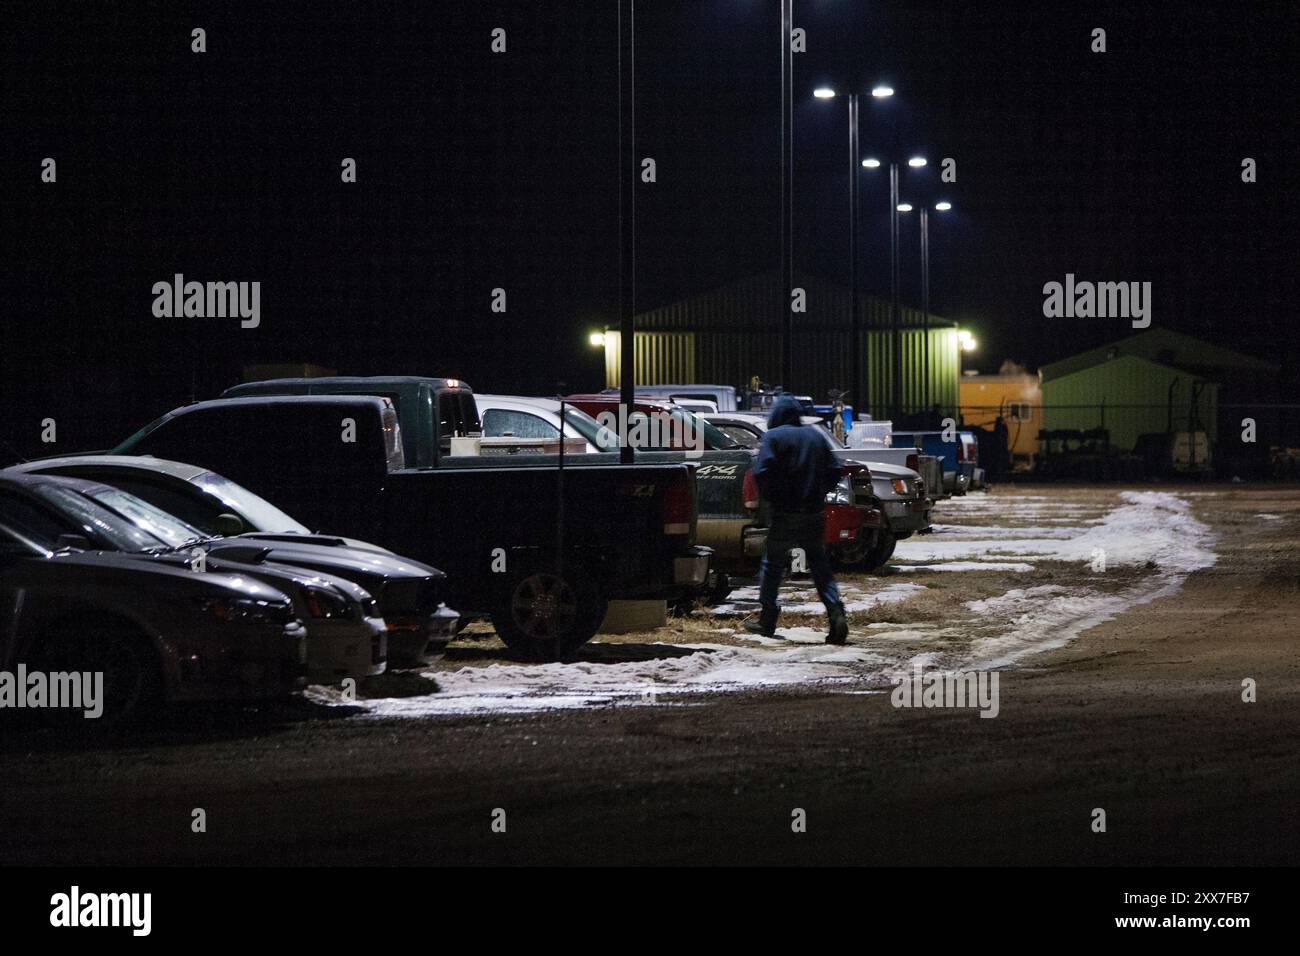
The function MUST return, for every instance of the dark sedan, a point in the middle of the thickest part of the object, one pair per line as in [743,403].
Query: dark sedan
[155,632]
[409,594]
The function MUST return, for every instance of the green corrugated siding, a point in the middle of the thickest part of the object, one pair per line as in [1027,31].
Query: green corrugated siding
[1129,397]
[731,334]
[821,361]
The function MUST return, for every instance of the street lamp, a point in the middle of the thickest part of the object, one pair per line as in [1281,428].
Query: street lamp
[855,160]
[859,385]
[895,314]
[965,338]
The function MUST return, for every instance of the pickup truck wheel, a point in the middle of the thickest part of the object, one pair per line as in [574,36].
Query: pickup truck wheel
[546,615]
[882,552]
[853,554]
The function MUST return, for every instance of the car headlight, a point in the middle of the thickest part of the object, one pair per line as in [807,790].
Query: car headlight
[901,486]
[842,493]
[233,610]
[324,603]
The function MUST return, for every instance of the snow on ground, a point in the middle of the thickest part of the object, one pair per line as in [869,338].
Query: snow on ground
[1138,530]
[689,669]
[1149,527]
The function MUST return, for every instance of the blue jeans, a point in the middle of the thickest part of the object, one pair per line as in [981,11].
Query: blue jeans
[793,530]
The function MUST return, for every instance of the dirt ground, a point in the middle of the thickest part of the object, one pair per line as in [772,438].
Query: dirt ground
[1141,716]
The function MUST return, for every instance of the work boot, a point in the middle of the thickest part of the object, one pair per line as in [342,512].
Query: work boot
[766,623]
[839,633]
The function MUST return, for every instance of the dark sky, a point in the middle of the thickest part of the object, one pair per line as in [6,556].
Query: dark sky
[479,170]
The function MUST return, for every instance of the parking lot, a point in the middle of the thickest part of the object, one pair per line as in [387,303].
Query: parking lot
[1122,622]
[1003,575]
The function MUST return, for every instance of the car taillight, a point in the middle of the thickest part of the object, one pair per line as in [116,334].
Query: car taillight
[914,462]
[749,490]
[961,450]
[676,505]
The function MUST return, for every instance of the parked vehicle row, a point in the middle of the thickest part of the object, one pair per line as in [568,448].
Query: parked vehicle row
[537,549]
[408,494]
[959,454]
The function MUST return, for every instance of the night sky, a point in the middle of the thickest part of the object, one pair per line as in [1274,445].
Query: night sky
[478,170]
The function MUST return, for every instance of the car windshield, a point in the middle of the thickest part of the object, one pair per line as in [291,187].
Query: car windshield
[714,437]
[111,528]
[593,431]
[147,517]
[256,512]
[740,434]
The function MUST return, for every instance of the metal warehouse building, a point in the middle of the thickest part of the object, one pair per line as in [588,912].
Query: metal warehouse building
[1157,381]
[731,334]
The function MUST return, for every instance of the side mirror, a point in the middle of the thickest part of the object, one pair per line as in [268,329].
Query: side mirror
[227,525]
[72,542]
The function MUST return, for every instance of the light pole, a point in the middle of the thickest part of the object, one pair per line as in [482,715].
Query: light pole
[942,206]
[626,216]
[787,190]
[855,162]
[895,312]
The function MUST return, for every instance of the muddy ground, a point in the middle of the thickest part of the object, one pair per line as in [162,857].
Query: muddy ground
[1141,715]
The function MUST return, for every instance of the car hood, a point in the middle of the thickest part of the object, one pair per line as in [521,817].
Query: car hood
[879,469]
[283,576]
[115,563]
[323,540]
[343,560]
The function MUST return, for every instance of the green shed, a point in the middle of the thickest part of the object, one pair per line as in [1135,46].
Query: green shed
[1155,381]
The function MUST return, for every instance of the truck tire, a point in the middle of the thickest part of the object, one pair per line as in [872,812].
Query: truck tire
[852,555]
[720,591]
[882,552]
[547,616]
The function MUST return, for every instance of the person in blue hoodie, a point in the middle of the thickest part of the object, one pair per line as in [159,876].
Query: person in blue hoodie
[795,470]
